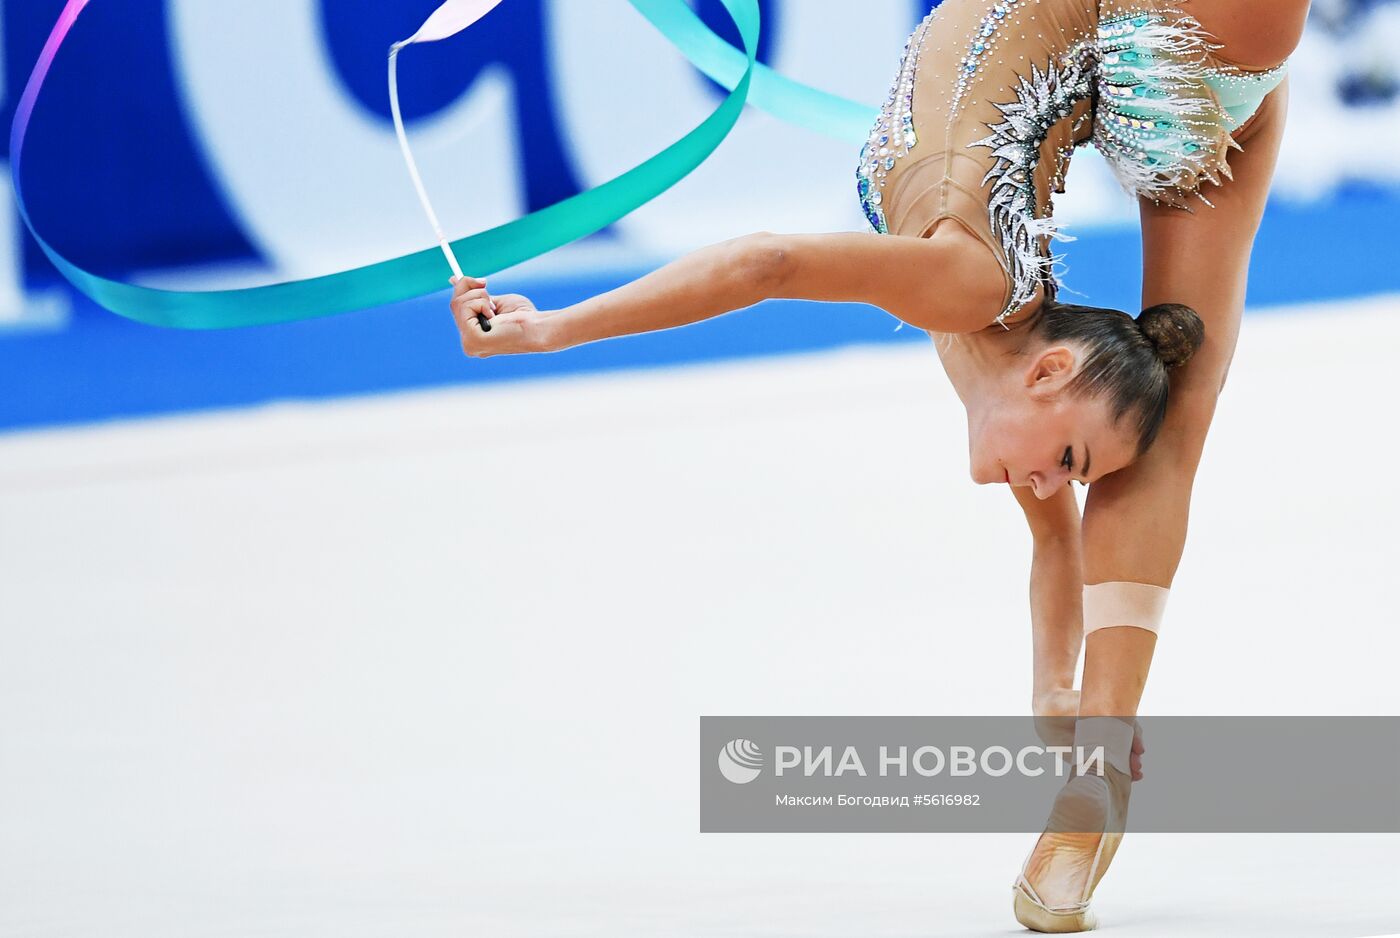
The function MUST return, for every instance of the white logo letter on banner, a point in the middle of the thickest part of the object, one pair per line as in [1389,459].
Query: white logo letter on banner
[316,181]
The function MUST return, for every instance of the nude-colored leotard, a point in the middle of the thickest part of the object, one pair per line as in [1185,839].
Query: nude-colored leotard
[993,96]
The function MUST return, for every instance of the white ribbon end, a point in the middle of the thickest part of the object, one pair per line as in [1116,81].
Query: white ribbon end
[450,19]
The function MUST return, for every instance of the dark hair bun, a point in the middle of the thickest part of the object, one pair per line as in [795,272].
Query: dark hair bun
[1174,330]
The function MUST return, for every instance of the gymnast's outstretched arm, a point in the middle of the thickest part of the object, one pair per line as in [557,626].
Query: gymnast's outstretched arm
[1135,520]
[946,283]
[1057,614]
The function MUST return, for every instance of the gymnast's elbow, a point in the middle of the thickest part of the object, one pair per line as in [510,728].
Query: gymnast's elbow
[762,265]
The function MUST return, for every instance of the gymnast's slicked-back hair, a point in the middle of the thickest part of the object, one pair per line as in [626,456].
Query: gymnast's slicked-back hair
[1126,359]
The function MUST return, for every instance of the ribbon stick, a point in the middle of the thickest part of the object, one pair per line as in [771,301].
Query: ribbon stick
[421,273]
[447,20]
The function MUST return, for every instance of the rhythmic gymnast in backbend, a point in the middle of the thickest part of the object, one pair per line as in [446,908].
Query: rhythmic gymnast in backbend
[991,100]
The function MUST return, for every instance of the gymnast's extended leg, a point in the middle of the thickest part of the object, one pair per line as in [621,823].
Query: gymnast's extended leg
[1135,520]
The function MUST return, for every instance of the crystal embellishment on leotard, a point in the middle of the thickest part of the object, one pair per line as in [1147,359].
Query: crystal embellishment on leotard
[893,135]
[980,49]
[1042,99]
[1162,118]
[1163,124]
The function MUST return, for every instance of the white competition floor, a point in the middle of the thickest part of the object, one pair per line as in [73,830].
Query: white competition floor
[432,664]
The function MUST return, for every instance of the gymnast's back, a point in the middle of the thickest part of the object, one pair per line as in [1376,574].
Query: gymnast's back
[993,96]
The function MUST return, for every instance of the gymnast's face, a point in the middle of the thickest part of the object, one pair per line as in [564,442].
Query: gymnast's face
[1036,434]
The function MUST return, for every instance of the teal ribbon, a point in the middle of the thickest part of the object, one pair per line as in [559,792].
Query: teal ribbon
[776,94]
[425,272]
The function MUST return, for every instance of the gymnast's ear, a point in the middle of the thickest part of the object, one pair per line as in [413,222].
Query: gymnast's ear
[1050,370]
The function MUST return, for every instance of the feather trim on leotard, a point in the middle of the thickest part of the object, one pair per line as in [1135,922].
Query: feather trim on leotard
[1162,118]
[1158,123]
[1042,99]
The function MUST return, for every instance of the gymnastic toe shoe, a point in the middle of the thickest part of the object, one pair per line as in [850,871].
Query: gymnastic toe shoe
[1059,876]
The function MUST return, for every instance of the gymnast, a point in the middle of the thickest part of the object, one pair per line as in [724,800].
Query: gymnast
[956,180]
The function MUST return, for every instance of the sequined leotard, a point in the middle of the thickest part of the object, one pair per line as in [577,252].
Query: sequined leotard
[993,96]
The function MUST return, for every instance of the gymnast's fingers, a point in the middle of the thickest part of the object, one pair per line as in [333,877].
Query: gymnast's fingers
[476,293]
[474,306]
[464,322]
[472,295]
[474,338]
[461,285]
[469,319]
[1135,756]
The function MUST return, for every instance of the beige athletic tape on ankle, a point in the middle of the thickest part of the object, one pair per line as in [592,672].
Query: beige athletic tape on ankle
[1118,602]
[1115,736]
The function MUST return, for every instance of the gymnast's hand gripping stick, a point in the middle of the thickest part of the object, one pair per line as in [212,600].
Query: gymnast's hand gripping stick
[447,20]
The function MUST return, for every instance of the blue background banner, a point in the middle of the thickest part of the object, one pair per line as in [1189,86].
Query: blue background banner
[172,142]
